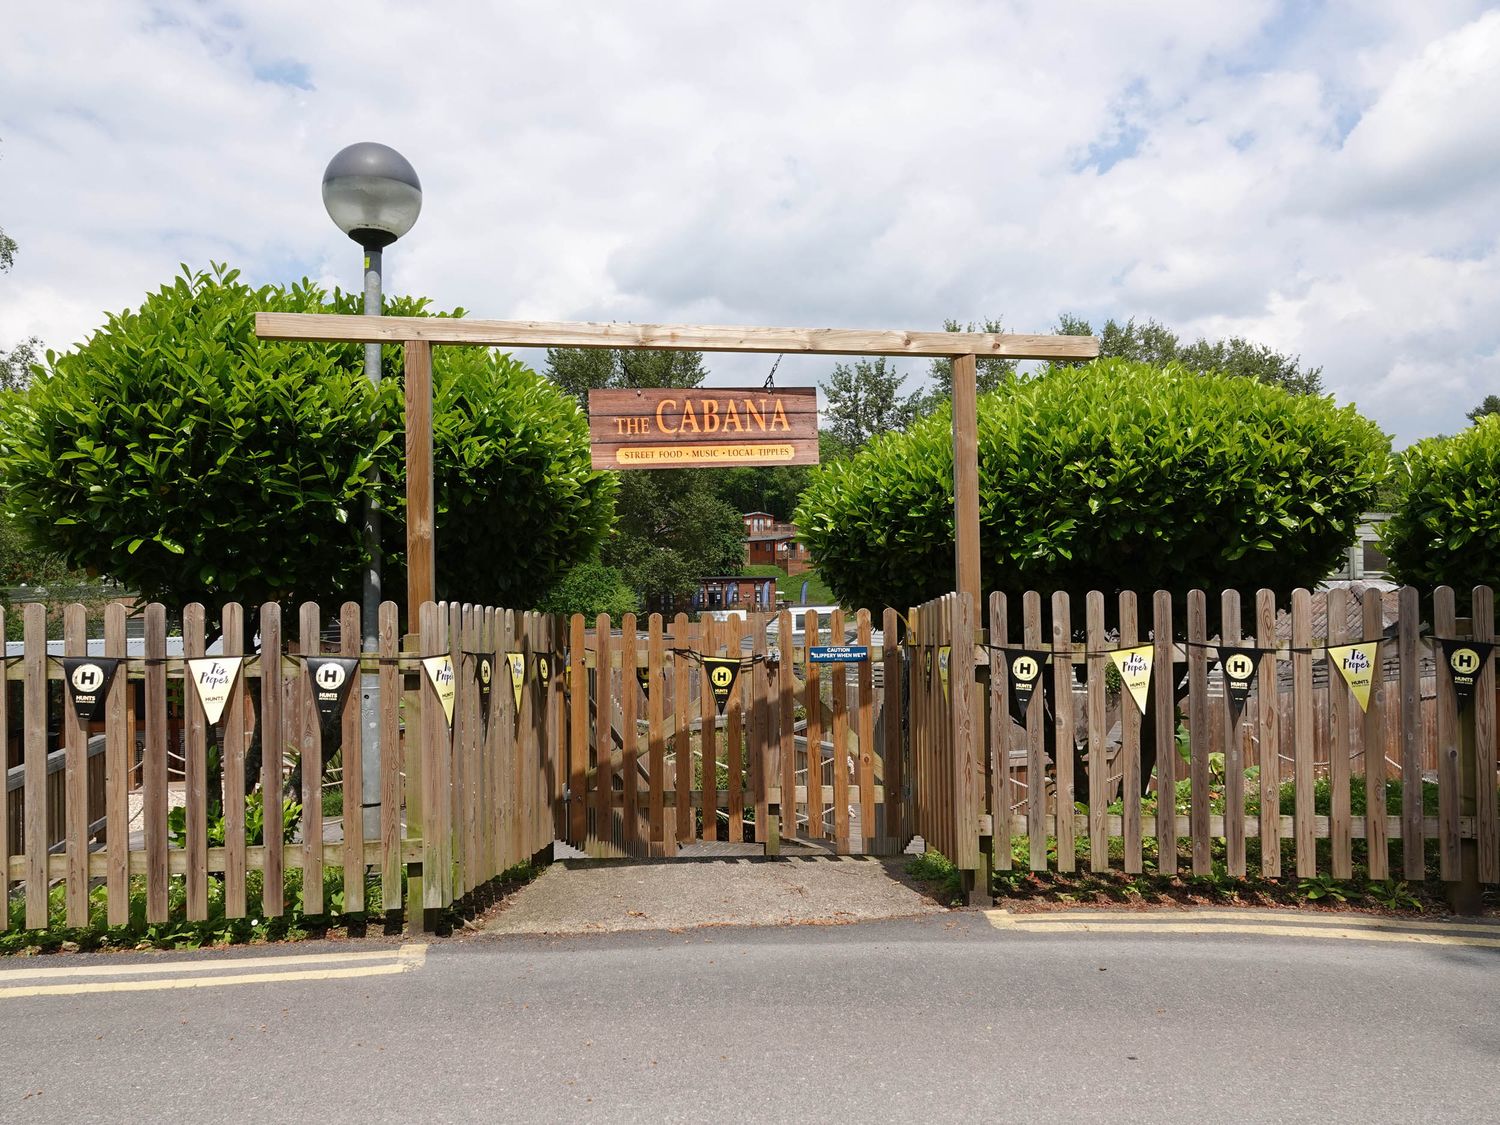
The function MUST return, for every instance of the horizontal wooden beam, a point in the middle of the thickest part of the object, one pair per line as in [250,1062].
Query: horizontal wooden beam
[666,337]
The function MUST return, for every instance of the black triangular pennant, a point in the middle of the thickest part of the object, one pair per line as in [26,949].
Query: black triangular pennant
[1465,661]
[88,679]
[1240,666]
[484,675]
[1025,678]
[332,677]
[722,671]
[643,677]
[543,670]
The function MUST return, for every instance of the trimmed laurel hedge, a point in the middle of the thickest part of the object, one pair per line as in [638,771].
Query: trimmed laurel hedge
[1114,475]
[1446,527]
[177,453]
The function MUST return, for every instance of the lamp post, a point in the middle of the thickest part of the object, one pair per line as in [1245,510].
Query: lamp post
[373,195]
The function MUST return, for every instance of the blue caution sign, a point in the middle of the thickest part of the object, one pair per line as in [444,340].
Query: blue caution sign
[838,654]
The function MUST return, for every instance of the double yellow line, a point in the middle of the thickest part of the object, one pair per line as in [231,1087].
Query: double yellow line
[1268,923]
[217,972]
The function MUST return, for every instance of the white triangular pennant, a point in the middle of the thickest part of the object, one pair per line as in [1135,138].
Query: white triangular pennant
[214,678]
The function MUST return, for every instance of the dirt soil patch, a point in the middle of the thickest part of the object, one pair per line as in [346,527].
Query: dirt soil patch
[578,896]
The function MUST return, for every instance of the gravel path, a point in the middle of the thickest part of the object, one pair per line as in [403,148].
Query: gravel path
[578,896]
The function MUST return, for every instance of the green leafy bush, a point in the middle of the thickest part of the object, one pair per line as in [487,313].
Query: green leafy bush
[1114,475]
[178,453]
[1445,530]
[591,589]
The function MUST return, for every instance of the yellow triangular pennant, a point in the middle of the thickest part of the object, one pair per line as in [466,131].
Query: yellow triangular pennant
[1134,666]
[214,678]
[517,674]
[440,672]
[945,654]
[1356,663]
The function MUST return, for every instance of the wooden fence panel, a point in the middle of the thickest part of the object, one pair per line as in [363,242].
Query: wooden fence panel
[813,702]
[352,726]
[1064,727]
[656,698]
[1268,719]
[734,747]
[1199,746]
[1444,624]
[232,774]
[155,766]
[1036,741]
[839,759]
[630,694]
[864,751]
[1098,759]
[1340,734]
[272,749]
[75,741]
[1302,733]
[117,751]
[310,746]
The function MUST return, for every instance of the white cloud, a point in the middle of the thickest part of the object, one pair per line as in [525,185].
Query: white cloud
[1317,177]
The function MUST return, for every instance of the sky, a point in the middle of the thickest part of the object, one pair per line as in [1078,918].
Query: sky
[1322,177]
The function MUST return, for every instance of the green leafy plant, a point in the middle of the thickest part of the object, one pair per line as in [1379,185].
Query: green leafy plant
[1446,526]
[192,461]
[1108,476]
[938,872]
[1319,888]
[1394,894]
[255,822]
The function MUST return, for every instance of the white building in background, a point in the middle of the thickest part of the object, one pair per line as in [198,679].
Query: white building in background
[1364,561]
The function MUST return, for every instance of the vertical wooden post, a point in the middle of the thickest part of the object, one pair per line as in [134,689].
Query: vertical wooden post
[310,748]
[236,719]
[155,767]
[76,808]
[353,818]
[421,562]
[272,740]
[390,761]
[34,816]
[118,748]
[966,476]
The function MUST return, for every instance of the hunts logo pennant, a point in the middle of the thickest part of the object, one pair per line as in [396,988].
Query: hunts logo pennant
[1239,676]
[214,678]
[1025,675]
[1134,666]
[1465,660]
[722,672]
[1356,663]
[332,677]
[88,683]
[440,671]
[643,677]
[484,679]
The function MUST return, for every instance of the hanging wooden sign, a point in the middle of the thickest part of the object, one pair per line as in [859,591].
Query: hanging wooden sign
[692,427]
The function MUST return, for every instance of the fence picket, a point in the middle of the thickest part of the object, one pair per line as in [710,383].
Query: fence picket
[1130,745]
[864,750]
[1486,821]
[892,717]
[390,759]
[1445,624]
[1098,752]
[1036,738]
[1234,754]
[155,766]
[195,769]
[682,756]
[232,774]
[734,750]
[814,707]
[1164,704]
[1340,734]
[1377,851]
[76,803]
[272,752]
[1302,734]
[117,750]
[351,724]
[1064,728]
[1199,745]
[839,758]
[763,759]
[630,694]
[604,784]
[1268,701]
[310,757]
[657,738]
[786,684]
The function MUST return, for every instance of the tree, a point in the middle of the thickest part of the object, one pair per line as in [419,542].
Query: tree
[672,529]
[1445,530]
[989,371]
[15,365]
[1490,405]
[581,370]
[1116,475]
[192,461]
[1154,343]
[864,399]
[592,588]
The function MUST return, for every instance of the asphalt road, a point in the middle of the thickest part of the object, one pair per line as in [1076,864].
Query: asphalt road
[942,1018]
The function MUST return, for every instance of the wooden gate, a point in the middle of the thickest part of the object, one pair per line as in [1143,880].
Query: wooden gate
[656,765]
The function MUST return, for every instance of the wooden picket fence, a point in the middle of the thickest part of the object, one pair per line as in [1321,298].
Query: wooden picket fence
[457,803]
[1296,727]
[799,749]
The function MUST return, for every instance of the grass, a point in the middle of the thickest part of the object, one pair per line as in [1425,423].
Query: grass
[789,587]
